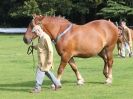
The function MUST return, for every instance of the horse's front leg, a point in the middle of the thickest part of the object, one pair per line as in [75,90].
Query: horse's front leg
[63,63]
[61,69]
[77,73]
[64,60]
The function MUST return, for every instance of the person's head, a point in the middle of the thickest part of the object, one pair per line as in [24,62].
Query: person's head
[123,23]
[29,34]
[37,30]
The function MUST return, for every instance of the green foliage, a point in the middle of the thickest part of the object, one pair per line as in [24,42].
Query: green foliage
[76,10]
[115,10]
[50,12]
[63,7]
[83,6]
[127,2]
[27,9]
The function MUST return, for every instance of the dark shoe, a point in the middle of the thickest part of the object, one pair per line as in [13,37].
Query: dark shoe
[35,90]
[130,54]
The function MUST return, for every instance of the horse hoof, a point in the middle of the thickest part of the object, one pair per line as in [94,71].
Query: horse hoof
[55,87]
[109,81]
[80,82]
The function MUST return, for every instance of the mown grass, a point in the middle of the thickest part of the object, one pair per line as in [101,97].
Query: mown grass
[17,75]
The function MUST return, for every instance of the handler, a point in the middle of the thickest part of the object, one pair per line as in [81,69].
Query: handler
[127,38]
[45,59]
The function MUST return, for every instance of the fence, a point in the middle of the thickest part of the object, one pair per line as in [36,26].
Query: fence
[20,30]
[13,30]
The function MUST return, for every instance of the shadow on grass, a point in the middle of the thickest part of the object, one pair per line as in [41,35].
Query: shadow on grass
[22,86]
[118,56]
[75,82]
[27,86]
[96,83]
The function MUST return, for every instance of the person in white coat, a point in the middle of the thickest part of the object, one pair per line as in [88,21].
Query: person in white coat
[127,40]
[45,59]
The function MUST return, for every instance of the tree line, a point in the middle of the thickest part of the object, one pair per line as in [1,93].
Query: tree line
[18,13]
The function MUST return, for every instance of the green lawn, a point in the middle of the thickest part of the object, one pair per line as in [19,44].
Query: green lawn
[17,75]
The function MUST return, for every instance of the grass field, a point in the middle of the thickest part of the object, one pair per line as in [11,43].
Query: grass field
[17,75]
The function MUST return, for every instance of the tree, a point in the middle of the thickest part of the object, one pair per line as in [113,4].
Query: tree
[84,10]
[27,9]
[19,12]
[4,8]
[68,8]
[127,2]
[116,10]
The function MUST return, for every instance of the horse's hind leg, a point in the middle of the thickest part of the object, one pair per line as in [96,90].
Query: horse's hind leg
[77,73]
[103,55]
[110,63]
[107,55]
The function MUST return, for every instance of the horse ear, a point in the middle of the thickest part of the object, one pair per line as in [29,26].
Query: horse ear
[34,15]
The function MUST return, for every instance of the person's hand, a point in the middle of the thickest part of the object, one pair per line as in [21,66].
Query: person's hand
[33,47]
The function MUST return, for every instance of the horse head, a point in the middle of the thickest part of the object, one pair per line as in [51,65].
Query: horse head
[53,26]
[29,34]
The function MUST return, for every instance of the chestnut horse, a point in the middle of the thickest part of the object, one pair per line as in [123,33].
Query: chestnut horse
[94,38]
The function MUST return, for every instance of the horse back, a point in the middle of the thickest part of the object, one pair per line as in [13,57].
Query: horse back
[89,39]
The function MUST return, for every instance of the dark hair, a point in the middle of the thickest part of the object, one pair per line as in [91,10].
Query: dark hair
[123,20]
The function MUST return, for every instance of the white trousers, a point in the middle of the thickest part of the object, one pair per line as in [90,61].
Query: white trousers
[125,51]
[40,75]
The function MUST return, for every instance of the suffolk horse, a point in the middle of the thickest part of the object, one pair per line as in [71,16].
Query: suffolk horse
[94,38]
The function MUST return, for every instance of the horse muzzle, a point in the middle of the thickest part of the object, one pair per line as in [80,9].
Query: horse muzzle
[27,41]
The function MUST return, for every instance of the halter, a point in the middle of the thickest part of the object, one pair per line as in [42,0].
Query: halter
[61,34]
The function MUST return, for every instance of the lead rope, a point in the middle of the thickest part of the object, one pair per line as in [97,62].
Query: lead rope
[31,51]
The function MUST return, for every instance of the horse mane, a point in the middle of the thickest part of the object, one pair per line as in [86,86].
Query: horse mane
[55,19]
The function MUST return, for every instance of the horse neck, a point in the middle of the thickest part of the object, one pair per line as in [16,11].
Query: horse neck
[53,30]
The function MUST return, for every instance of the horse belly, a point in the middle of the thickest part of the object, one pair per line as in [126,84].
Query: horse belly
[89,50]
